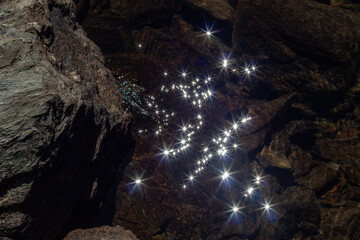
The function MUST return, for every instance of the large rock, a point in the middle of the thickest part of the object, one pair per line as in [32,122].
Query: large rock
[308,47]
[303,99]
[294,28]
[103,233]
[304,92]
[63,129]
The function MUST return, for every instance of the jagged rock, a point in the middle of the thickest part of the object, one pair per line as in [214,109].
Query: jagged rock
[220,9]
[63,129]
[295,100]
[288,148]
[341,223]
[333,195]
[344,152]
[303,98]
[299,41]
[103,233]
[264,112]
[318,178]
[312,27]
[302,212]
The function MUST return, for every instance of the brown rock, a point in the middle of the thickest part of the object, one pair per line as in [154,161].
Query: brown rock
[344,152]
[341,223]
[63,127]
[302,212]
[103,233]
[313,27]
[262,112]
[220,9]
[318,178]
[333,195]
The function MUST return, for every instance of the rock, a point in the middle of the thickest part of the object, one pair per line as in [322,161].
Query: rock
[276,154]
[342,223]
[13,222]
[333,195]
[103,233]
[62,122]
[304,89]
[291,147]
[302,212]
[313,28]
[301,161]
[344,152]
[220,9]
[16,195]
[295,39]
[263,112]
[318,178]
[137,13]
[64,130]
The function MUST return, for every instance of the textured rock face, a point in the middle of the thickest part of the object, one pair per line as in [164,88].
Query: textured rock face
[62,127]
[103,233]
[305,98]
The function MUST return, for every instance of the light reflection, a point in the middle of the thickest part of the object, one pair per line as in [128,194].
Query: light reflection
[197,92]
[225,175]
[250,190]
[225,63]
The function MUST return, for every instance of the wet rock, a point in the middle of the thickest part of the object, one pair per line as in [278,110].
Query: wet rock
[299,97]
[293,38]
[303,100]
[104,233]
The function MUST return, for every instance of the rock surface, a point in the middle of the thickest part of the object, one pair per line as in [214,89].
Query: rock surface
[305,97]
[103,233]
[63,130]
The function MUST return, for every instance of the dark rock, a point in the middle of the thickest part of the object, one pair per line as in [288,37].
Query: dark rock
[292,28]
[63,128]
[103,233]
[319,177]
[333,196]
[220,9]
[302,213]
[305,92]
[305,49]
[263,112]
[341,223]
[344,152]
